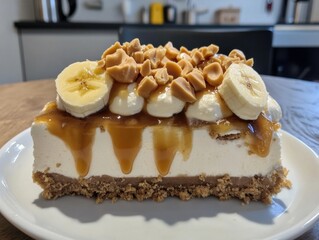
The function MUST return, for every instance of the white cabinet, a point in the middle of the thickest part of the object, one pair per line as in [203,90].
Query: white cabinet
[45,53]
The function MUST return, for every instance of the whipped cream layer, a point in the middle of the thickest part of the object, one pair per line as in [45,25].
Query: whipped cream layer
[208,156]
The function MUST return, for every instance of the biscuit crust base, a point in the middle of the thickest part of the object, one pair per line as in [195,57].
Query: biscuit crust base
[256,188]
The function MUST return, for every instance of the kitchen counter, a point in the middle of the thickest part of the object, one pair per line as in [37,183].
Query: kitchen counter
[21,25]
[285,35]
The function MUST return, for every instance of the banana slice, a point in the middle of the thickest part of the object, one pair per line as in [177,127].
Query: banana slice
[244,91]
[82,91]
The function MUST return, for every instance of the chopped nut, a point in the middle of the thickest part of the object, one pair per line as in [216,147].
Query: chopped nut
[125,46]
[138,56]
[100,68]
[250,62]
[209,51]
[197,57]
[186,66]
[184,50]
[173,69]
[225,61]
[213,74]
[206,62]
[237,53]
[197,80]
[146,86]
[145,68]
[111,49]
[213,48]
[155,55]
[183,55]
[161,76]
[115,58]
[164,61]
[171,52]
[101,63]
[204,51]
[133,46]
[125,72]
[181,89]
[216,59]
[149,46]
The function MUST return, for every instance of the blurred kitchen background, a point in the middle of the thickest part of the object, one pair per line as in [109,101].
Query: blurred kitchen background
[40,37]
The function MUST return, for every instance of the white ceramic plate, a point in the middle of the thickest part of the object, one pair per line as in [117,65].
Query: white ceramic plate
[291,214]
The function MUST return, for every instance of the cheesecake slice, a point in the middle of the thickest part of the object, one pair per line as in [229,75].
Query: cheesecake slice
[149,122]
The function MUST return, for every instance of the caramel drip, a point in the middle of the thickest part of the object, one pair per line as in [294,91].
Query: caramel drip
[169,135]
[127,142]
[260,135]
[77,134]
[257,133]
[167,141]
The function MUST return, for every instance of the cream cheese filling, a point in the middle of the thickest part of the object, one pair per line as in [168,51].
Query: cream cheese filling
[208,156]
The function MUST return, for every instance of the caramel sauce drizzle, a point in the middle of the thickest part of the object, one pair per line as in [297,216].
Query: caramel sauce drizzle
[77,134]
[167,142]
[127,142]
[169,135]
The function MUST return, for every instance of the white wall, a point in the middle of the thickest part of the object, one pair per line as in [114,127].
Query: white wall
[315,11]
[10,62]
[252,11]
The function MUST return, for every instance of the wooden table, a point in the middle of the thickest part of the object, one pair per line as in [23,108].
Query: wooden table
[299,100]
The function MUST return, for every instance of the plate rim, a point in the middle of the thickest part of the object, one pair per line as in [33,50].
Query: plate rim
[36,231]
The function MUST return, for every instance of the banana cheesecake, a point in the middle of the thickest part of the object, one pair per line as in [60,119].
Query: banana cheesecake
[147,122]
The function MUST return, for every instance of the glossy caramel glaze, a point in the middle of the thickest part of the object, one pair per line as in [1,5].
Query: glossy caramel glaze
[170,135]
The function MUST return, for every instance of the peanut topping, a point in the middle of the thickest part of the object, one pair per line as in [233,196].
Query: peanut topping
[184,70]
[165,60]
[146,86]
[197,57]
[250,62]
[171,52]
[161,76]
[138,56]
[100,67]
[155,55]
[115,58]
[133,46]
[213,74]
[186,66]
[146,68]
[111,49]
[184,56]
[197,80]
[126,72]
[181,89]
[184,50]
[209,51]
[173,69]
[235,53]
